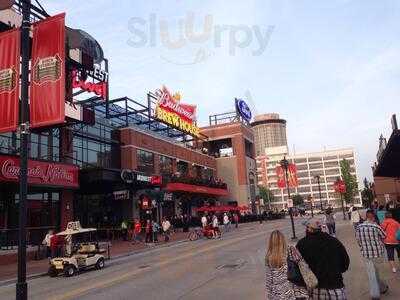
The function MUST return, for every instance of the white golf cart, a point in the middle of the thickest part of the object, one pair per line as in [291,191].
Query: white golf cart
[78,255]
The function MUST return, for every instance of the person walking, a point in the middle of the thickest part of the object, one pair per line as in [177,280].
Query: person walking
[328,260]
[149,231]
[236,220]
[391,227]
[330,221]
[204,221]
[380,214]
[166,225]
[278,287]
[46,242]
[355,217]
[370,237]
[155,230]
[137,229]
[226,222]
[215,226]
[124,230]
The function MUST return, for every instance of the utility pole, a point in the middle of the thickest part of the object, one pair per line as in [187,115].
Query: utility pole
[285,165]
[318,177]
[21,286]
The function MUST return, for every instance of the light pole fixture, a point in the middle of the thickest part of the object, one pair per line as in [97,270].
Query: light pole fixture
[285,166]
[318,178]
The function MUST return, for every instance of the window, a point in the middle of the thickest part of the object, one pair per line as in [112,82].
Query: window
[183,168]
[165,165]
[145,161]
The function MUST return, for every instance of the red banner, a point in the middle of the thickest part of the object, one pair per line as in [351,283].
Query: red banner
[292,176]
[47,103]
[39,172]
[9,80]
[339,186]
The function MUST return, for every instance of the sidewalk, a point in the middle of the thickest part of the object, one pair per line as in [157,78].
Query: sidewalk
[356,279]
[117,249]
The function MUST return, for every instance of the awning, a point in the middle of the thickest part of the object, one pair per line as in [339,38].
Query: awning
[222,208]
[191,188]
[388,164]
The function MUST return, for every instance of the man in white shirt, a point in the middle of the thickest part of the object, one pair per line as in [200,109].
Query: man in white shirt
[166,225]
[204,221]
[215,225]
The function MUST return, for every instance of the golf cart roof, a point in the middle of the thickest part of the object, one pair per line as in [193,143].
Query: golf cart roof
[75,228]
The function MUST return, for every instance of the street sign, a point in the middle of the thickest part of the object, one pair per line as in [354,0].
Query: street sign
[339,186]
[290,203]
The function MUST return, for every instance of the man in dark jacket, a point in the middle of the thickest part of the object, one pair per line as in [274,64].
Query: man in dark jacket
[327,258]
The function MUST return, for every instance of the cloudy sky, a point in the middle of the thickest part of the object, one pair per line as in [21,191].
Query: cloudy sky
[330,68]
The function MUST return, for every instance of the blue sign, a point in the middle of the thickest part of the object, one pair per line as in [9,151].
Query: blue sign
[243,109]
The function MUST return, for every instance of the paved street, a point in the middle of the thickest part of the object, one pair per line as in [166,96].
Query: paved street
[231,268]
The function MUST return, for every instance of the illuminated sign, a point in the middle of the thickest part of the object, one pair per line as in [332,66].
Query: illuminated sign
[171,111]
[100,88]
[243,109]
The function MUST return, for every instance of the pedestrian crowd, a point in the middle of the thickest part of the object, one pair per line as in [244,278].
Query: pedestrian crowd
[314,267]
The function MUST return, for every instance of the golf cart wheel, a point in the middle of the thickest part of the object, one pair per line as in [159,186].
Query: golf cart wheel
[69,270]
[193,236]
[100,264]
[52,272]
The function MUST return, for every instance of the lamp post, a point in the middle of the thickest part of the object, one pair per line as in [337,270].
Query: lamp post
[318,177]
[21,286]
[285,165]
[310,199]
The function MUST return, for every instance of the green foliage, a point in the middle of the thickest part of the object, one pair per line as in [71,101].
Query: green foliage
[267,195]
[349,180]
[298,200]
[367,194]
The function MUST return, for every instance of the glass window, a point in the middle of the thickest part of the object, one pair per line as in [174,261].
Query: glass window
[165,165]
[145,161]
[183,168]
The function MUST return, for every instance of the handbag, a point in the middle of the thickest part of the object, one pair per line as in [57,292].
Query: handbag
[309,277]
[293,273]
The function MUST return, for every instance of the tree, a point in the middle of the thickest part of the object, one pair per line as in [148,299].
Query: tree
[349,180]
[367,194]
[297,200]
[266,194]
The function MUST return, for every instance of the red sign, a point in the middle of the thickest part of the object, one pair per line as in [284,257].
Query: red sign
[39,172]
[156,180]
[190,188]
[292,176]
[339,186]
[9,80]
[172,103]
[146,203]
[48,72]
[100,89]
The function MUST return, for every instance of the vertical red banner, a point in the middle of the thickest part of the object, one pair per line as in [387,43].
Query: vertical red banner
[280,173]
[9,79]
[47,99]
[292,176]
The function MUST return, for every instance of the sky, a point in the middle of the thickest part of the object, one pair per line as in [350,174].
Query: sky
[330,68]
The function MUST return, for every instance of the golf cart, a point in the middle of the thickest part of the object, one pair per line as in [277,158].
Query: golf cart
[79,255]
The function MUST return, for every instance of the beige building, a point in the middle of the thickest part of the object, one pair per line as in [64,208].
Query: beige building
[269,131]
[325,164]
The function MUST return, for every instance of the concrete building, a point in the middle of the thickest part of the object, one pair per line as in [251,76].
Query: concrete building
[232,143]
[325,164]
[269,131]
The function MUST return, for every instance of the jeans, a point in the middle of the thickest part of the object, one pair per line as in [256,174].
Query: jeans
[376,284]
[331,228]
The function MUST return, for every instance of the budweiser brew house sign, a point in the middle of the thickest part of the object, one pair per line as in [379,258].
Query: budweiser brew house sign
[172,112]
[40,173]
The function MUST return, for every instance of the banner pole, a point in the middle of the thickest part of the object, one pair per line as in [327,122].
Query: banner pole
[21,286]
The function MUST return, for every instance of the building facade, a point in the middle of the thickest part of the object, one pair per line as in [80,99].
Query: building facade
[232,145]
[324,164]
[269,131]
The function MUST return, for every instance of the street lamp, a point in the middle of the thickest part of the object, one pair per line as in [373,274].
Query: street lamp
[285,165]
[21,286]
[318,177]
[310,200]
